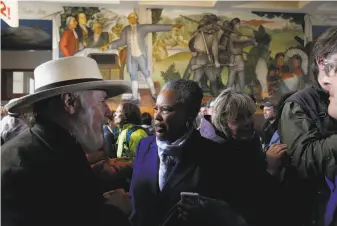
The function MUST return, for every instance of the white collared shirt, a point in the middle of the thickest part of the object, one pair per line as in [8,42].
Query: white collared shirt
[135,49]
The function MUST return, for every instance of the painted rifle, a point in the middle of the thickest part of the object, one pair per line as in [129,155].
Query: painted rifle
[218,25]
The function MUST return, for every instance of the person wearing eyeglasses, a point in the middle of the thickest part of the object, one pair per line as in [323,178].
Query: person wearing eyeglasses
[330,215]
[311,136]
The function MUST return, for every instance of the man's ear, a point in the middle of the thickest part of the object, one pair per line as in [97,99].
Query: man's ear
[69,100]
[320,63]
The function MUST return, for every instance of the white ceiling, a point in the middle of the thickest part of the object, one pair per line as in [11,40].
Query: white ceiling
[310,7]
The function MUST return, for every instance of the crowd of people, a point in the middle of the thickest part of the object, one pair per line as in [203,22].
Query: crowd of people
[79,163]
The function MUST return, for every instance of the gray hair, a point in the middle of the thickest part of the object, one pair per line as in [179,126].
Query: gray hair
[11,127]
[189,94]
[69,19]
[228,106]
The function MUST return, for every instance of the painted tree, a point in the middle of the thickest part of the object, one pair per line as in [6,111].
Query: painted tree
[74,11]
[170,74]
[156,18]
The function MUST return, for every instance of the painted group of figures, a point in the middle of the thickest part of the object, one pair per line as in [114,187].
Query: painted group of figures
[79,36]
[215,45]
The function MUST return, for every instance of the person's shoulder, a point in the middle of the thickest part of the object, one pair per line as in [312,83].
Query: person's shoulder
[19,150]
[203,143]
[147,141]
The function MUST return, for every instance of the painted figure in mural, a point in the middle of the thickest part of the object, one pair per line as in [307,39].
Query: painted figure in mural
[283,72]
[159,51]
[82,30]
[134,37]
[69,39]
[188,72]
[223,51]
[204,46]
[299,64]
[273,80]
[236,45]
[99,38]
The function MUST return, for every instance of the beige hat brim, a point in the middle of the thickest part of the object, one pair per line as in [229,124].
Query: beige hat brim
[25,103]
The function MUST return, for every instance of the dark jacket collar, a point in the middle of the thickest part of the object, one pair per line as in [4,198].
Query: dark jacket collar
[56,138]
[323,95]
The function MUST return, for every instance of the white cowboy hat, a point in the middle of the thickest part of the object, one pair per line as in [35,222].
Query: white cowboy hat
[66,75]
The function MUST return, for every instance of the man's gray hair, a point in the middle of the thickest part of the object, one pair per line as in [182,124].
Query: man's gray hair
[189,94]
[11,127]
[228,106]
[69,19]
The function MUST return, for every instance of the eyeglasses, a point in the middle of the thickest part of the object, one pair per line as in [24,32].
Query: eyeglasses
[330,68]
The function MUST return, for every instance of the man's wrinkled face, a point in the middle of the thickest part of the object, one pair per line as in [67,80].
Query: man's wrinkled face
[269,113]
[91,117]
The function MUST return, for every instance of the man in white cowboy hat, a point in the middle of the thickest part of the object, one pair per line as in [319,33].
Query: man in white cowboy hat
[45,176]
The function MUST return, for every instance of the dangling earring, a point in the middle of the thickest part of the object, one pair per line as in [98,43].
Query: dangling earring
[188,124]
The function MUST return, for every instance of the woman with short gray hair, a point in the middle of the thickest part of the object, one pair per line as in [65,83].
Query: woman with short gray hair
[232,126]
[232,114]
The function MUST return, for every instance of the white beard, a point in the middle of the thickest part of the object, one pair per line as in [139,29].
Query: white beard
[90,140]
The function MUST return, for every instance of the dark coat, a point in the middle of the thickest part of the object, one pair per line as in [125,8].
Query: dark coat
[311,136]
[194,173]
[46,180]
[248,187]
[268,131]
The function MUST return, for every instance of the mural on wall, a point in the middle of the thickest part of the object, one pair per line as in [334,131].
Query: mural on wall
[90,31]
[85,30]
[30,35]
[260,53]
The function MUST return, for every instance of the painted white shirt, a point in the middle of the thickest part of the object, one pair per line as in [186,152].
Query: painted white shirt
[96,37]
[135,49]
[75,34]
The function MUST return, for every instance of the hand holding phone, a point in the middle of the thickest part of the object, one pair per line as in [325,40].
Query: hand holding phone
[190,198]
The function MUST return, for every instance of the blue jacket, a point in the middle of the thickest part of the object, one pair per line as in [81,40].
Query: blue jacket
[193,173]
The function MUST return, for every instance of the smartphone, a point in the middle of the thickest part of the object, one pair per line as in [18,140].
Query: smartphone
[190,198]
